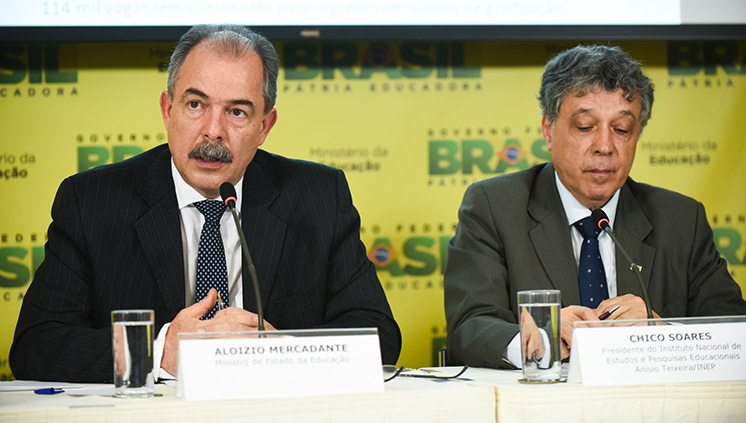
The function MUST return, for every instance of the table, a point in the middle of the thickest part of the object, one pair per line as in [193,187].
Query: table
[404,400]
[573,402]
[487,396]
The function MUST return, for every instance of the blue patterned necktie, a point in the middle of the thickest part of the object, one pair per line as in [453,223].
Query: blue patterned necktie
[211,268]
[591,274]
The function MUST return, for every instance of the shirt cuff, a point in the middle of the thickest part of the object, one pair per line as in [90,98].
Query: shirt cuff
[158,345]
[513,352]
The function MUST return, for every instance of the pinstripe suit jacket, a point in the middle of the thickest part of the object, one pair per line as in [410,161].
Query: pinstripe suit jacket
[115,243]
[513,235]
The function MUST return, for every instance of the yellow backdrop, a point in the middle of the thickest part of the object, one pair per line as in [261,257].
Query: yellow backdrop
[411,123]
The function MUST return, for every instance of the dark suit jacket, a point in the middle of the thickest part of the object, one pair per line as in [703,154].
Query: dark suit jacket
[513,235]
[115,243]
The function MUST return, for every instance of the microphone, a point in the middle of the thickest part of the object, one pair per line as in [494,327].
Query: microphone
[602,221]
[228,194]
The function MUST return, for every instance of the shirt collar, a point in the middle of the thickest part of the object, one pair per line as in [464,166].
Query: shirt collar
[576,211]
[186,195]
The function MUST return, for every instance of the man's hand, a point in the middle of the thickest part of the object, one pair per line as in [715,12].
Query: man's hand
[630,307]
[532,343]
[230,319]
[568,316]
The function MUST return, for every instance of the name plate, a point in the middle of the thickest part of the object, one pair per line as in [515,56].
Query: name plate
[277,364]
[633,353]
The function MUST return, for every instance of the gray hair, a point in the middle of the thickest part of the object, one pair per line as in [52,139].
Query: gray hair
[231,41]
[582,68]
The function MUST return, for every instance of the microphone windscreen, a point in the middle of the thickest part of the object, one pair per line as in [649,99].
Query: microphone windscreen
[228,193]
[599,218]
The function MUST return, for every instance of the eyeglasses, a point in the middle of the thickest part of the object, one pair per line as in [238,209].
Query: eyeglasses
[393,371]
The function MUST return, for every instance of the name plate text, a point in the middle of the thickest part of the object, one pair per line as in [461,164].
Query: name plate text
[278,364]
[667,353]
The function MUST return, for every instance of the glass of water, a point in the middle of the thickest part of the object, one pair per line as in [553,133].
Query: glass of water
[132,341]
[540,335]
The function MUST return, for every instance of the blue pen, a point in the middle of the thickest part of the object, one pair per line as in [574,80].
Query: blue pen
[49,391]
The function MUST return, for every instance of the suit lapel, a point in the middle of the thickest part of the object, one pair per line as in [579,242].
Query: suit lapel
[159,232]
[264,232]
[632,227]
[551,236]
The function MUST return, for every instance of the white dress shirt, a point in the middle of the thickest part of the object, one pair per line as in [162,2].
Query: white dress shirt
[574,212]
[191,228]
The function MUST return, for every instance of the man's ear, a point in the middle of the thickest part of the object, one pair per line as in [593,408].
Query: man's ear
[166,105]
[546,130]
[268,121]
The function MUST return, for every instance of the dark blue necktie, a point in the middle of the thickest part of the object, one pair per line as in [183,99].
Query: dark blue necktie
[211,269]
[591,274]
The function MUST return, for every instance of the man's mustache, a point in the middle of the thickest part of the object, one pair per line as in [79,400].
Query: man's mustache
[211,152]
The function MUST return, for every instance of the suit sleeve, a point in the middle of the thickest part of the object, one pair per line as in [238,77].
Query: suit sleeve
[54,338]
[712,290]
[476,288]
[355,297]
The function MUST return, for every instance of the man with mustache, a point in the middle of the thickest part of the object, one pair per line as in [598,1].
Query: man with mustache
[129,235]
[522,231]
